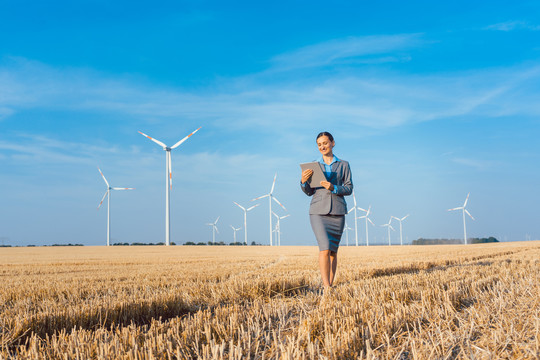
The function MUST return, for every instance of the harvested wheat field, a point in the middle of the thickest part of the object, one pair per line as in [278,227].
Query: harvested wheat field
[183,302]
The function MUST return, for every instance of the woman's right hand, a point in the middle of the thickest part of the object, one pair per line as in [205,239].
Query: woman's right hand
[306,174]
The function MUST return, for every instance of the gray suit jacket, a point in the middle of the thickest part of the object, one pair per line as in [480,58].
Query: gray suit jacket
[324,202]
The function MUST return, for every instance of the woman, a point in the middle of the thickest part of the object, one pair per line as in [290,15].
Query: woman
[328,207]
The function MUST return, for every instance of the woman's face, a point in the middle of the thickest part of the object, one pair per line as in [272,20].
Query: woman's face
[325,145]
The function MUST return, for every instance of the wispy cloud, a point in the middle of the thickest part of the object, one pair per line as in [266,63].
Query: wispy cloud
[513,25]
[477,164]
[366,49]
[374,99]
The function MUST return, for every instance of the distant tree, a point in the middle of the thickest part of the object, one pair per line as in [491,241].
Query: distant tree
[189,243]
[490,239]
[238,243]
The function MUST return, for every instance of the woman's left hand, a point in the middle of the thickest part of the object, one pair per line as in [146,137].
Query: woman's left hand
[327,185]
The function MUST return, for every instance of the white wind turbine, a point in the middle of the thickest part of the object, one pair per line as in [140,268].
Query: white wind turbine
[355,219]
[270,198]
[389,227]
[168,180]
[400,227]
[368,211]
[245,218]
[278,227]
[108,192]
[468,213]
[214,229]
[235,230]
[347,228]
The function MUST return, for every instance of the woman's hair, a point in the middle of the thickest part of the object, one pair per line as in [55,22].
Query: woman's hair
[325,133]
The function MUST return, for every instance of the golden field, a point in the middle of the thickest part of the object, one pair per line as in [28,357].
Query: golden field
[184,302]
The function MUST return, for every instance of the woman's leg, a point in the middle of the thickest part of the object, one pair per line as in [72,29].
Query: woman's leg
[325,267]
[333,266]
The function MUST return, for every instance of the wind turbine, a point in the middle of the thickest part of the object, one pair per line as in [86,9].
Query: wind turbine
[245,218]
[214,229]
[270,198]
[108,192]
[278,227]
[347,228]
[389,227]
[235,230]
[400,227]
[168,179]
[468,213]
[368,211]
[355,219]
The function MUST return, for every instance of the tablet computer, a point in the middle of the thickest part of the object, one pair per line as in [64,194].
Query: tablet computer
[318,175]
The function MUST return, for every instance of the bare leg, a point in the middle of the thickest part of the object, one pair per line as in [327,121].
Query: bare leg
[325,266]
[333,267]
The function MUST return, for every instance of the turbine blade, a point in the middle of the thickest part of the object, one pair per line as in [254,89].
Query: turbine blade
[273,184]
[406,216]
[240,206]
[253,207]
[359,208]
[391,227]
[350,211]
[215,227]
[354,198]
[215,222]
[232,227]
[468,213]
[106,192]
[276,200]
[466,200]
[103,176]
[170,168]
[117,188]
[260,197]
[368,210]
[458,208]
[283,217]
[370,221]
[184,139]
[154,140]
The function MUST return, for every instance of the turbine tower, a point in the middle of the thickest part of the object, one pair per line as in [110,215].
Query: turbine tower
[368,211]
[168,180]
[278,227]
[347,228]
[400,227]
[270,198]
[389,227]
[355,219]
[214,229]
[468,213]
[108,192]
[235,230]
[245,218]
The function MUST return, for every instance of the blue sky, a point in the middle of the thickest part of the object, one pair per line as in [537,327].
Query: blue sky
[427,101]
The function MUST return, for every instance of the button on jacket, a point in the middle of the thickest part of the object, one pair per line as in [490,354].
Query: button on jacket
[326,202]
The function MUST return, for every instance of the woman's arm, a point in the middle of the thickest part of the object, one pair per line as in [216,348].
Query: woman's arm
[347,187]
[306,174]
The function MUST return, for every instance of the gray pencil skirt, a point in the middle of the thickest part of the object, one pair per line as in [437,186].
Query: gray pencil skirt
[328,230]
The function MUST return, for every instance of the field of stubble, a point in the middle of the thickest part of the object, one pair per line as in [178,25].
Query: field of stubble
[423,302]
